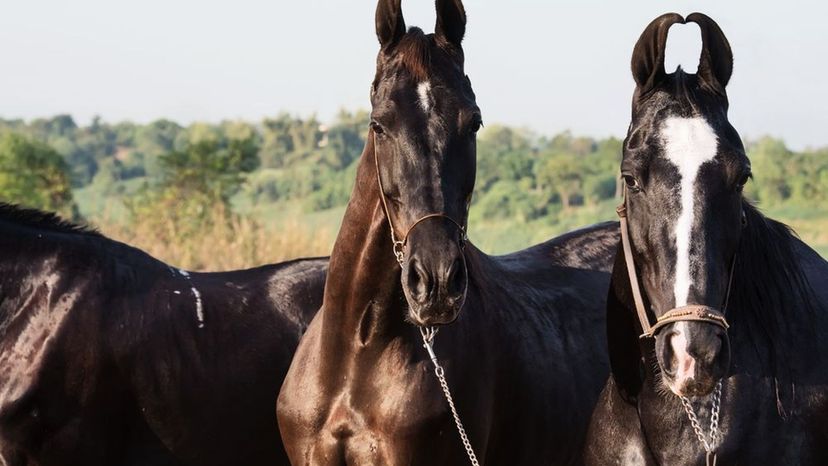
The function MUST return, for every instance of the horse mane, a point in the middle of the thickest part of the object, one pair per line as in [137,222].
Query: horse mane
[414,50]
[38,219]
[775,302]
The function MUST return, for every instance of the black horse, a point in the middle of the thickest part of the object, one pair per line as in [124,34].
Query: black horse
[525,359]
[110,357]
[708,260]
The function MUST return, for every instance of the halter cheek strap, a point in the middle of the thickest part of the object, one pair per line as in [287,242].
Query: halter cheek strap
[399,246]
[693,312]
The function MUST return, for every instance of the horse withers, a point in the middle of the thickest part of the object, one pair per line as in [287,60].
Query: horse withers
[715,312]
[110,357]
[521,345]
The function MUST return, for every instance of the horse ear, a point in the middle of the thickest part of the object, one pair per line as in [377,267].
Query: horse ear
[623,332]
[648,55]
[716,61]
[390,23]
[451,21]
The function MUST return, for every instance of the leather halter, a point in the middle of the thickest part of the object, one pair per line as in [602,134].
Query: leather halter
[399,245]
[692,312]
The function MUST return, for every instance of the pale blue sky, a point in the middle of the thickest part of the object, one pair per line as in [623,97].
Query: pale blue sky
[546,65]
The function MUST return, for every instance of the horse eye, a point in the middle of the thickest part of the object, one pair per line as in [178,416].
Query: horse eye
[743,181]
[632,183]
[377,128]
[476,125]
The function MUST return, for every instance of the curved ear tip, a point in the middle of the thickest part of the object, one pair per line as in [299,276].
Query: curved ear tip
[669,18]
[699,17]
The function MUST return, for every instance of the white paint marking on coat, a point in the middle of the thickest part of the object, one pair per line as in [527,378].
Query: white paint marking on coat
[424,91]
[197,296]
[689,143]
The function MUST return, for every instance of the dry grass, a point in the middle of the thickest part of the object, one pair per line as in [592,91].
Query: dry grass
[223,244]
[228,242]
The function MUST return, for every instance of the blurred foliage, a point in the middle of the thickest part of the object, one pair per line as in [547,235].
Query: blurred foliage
[35,175]
[177,182]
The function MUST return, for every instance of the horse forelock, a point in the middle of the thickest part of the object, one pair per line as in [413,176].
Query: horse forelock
[414,51]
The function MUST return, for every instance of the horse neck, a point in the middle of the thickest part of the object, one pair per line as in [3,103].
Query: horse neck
[28,265]
[363,275]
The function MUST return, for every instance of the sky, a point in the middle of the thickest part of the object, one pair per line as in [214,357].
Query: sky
[546,65]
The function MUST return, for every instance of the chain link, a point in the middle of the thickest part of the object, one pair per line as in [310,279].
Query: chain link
[428,334]
[399,252]
[710,441]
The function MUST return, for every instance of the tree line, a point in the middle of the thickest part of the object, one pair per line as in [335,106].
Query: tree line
[188,171]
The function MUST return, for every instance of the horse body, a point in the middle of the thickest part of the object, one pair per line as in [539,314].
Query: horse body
[108,356]
[695,242]
[762,421]
[520,341]
[523,359]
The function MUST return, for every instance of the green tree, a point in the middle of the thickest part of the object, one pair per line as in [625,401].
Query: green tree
[35,175]
[768,159]
[196,183]
[564,175]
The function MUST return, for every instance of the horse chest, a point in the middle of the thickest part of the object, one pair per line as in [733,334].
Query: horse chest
[381,410]
[392,426]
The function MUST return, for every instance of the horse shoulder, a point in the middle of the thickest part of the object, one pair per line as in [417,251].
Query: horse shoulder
[614,436]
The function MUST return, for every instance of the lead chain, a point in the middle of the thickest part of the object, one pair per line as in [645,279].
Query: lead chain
[428,334]
[709,442]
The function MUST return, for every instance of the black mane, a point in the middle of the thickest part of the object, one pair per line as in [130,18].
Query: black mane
[769,285]
[39,219]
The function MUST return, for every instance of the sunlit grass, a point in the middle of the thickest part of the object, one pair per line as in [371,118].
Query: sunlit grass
[268,233]
[227,244]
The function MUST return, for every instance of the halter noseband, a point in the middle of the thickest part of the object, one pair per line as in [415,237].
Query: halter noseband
[399,245]
[692,312]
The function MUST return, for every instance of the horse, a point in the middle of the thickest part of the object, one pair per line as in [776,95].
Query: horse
[715,313]
[520,358]
[111,357]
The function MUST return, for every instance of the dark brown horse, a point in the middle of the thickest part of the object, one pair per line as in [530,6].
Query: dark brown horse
[110,357]
[524,355]
[732,305]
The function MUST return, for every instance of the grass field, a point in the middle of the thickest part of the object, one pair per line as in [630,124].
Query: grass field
[810,223]
[275,232]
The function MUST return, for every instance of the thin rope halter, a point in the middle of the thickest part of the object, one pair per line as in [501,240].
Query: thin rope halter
[428,333]
[398,246]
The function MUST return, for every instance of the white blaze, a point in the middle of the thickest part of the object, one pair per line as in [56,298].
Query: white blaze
[689,143]
[424,92]
[686,364]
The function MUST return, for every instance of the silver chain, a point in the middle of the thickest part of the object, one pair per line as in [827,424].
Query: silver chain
[398,252]
[428,334]
[710,442]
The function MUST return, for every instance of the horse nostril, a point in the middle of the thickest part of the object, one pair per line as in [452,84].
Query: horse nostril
[670,357]
[419,281]
[456,278]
